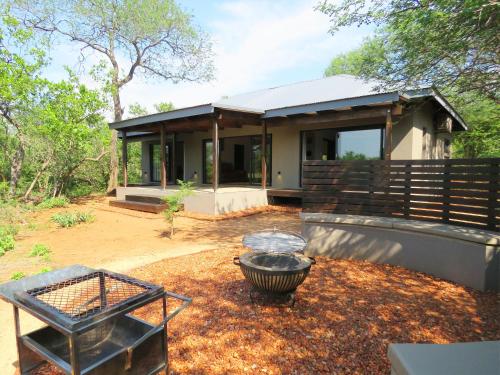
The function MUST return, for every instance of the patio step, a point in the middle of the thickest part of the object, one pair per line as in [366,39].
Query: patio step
[139,206]
[144,199]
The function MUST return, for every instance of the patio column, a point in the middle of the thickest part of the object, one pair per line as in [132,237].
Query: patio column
[215,155]
[163,168]
[263,153]
[174,175]
[388,135]
[124,158]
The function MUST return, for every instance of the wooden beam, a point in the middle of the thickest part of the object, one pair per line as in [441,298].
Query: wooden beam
[124,158]
[215,154]
[263,153]
[163,157]
[338,117]
[388,135]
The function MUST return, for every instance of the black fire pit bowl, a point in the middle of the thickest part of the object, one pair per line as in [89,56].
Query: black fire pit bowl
[274,272]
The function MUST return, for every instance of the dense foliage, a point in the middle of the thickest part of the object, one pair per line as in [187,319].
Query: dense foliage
[154,38]
[451,44]
[50,130]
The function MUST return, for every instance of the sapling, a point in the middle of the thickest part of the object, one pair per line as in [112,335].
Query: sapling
[174,202]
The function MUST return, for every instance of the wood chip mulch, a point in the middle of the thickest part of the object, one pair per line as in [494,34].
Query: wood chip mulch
[347,312]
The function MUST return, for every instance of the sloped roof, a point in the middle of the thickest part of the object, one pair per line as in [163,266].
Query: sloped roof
[332,88]
[322,94]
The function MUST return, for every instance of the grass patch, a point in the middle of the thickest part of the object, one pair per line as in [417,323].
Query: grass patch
[7,243]
[44,270]
[40,250]
[70,219]
[17,276]
[53,203]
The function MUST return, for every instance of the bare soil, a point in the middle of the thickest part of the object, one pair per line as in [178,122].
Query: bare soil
[126,239]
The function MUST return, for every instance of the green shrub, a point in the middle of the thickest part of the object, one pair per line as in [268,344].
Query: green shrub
[70,219]
[53,203]
[40,250]
[7,243]
[17,276]
[8,229]
[44,270]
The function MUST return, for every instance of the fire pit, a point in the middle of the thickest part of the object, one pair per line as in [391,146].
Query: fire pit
[275,273]
[90,327]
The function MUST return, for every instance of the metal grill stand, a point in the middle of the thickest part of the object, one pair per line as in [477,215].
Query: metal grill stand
[90,329]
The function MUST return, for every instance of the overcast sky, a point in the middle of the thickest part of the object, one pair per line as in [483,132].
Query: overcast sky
[257,44]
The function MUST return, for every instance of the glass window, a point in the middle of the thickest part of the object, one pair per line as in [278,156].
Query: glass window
[359,144]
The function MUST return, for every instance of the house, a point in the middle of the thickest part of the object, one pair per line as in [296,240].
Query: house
[262,137]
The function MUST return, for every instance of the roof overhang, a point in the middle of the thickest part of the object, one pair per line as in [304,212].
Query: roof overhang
[376,99]
[434,93]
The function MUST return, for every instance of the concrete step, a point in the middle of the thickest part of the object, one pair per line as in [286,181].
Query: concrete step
[139,206]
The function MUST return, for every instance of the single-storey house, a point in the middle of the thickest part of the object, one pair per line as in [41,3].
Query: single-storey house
[241,149]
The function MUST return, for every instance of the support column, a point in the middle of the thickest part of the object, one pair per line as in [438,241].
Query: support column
[215,155]
[124,158]
[173,167]
[388,135]
[263,153]
[163,168]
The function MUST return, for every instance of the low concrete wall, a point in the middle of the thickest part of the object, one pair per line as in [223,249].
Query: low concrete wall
[204,200]
[466,256]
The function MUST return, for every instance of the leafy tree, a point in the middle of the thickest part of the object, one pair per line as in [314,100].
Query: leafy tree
[137,110]
[400,60]
[155,38]
[164,107]
[449,43]
[20,85]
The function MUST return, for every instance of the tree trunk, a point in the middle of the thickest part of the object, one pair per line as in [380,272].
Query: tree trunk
[15,168]
[35,180]
[113,170]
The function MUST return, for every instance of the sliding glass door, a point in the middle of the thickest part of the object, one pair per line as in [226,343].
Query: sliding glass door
[239,160]
[155,162]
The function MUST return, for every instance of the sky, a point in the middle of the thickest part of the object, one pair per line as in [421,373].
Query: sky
[257,44]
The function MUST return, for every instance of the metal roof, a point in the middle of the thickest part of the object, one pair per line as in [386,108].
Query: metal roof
[323,94]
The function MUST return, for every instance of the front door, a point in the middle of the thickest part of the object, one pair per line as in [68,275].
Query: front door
[178,159]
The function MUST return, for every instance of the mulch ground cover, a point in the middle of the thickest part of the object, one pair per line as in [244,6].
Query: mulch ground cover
[346,314]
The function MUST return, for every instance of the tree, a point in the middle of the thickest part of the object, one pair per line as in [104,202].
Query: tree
[398,59]
[155,38]
[174,202]
[449,43]
[20,87]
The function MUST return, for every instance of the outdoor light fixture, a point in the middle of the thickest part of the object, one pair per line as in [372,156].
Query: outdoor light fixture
[195,175]
[279,173]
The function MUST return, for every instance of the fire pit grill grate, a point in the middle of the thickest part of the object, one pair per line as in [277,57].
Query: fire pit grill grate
[81,297]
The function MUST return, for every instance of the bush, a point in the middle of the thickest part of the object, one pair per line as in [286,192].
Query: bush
[70,219]
[7,243]
[44,270]
[40,250]
[8,229]
[18,275]
[53,203]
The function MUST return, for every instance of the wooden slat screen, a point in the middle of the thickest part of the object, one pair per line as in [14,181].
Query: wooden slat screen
[455,191]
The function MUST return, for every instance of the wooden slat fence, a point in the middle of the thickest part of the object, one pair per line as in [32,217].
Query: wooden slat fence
[456,191]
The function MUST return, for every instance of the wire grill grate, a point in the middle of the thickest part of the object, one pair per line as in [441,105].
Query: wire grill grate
[85,296]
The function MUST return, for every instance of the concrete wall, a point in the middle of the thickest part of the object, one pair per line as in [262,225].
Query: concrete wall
[470,263]
[286,146]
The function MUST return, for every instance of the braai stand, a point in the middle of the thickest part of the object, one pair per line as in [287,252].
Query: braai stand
[90,329]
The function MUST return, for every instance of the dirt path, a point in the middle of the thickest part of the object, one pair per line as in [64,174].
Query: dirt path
[118,240]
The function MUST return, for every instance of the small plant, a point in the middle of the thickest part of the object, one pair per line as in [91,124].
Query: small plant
[7,243]
[44,270]
[40,250]
[17,276]
[174,202]
[70,219]
[53,203]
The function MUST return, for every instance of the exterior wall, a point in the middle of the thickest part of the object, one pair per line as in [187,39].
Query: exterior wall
[407,142]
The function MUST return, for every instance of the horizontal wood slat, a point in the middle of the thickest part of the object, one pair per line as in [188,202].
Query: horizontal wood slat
[456,191]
